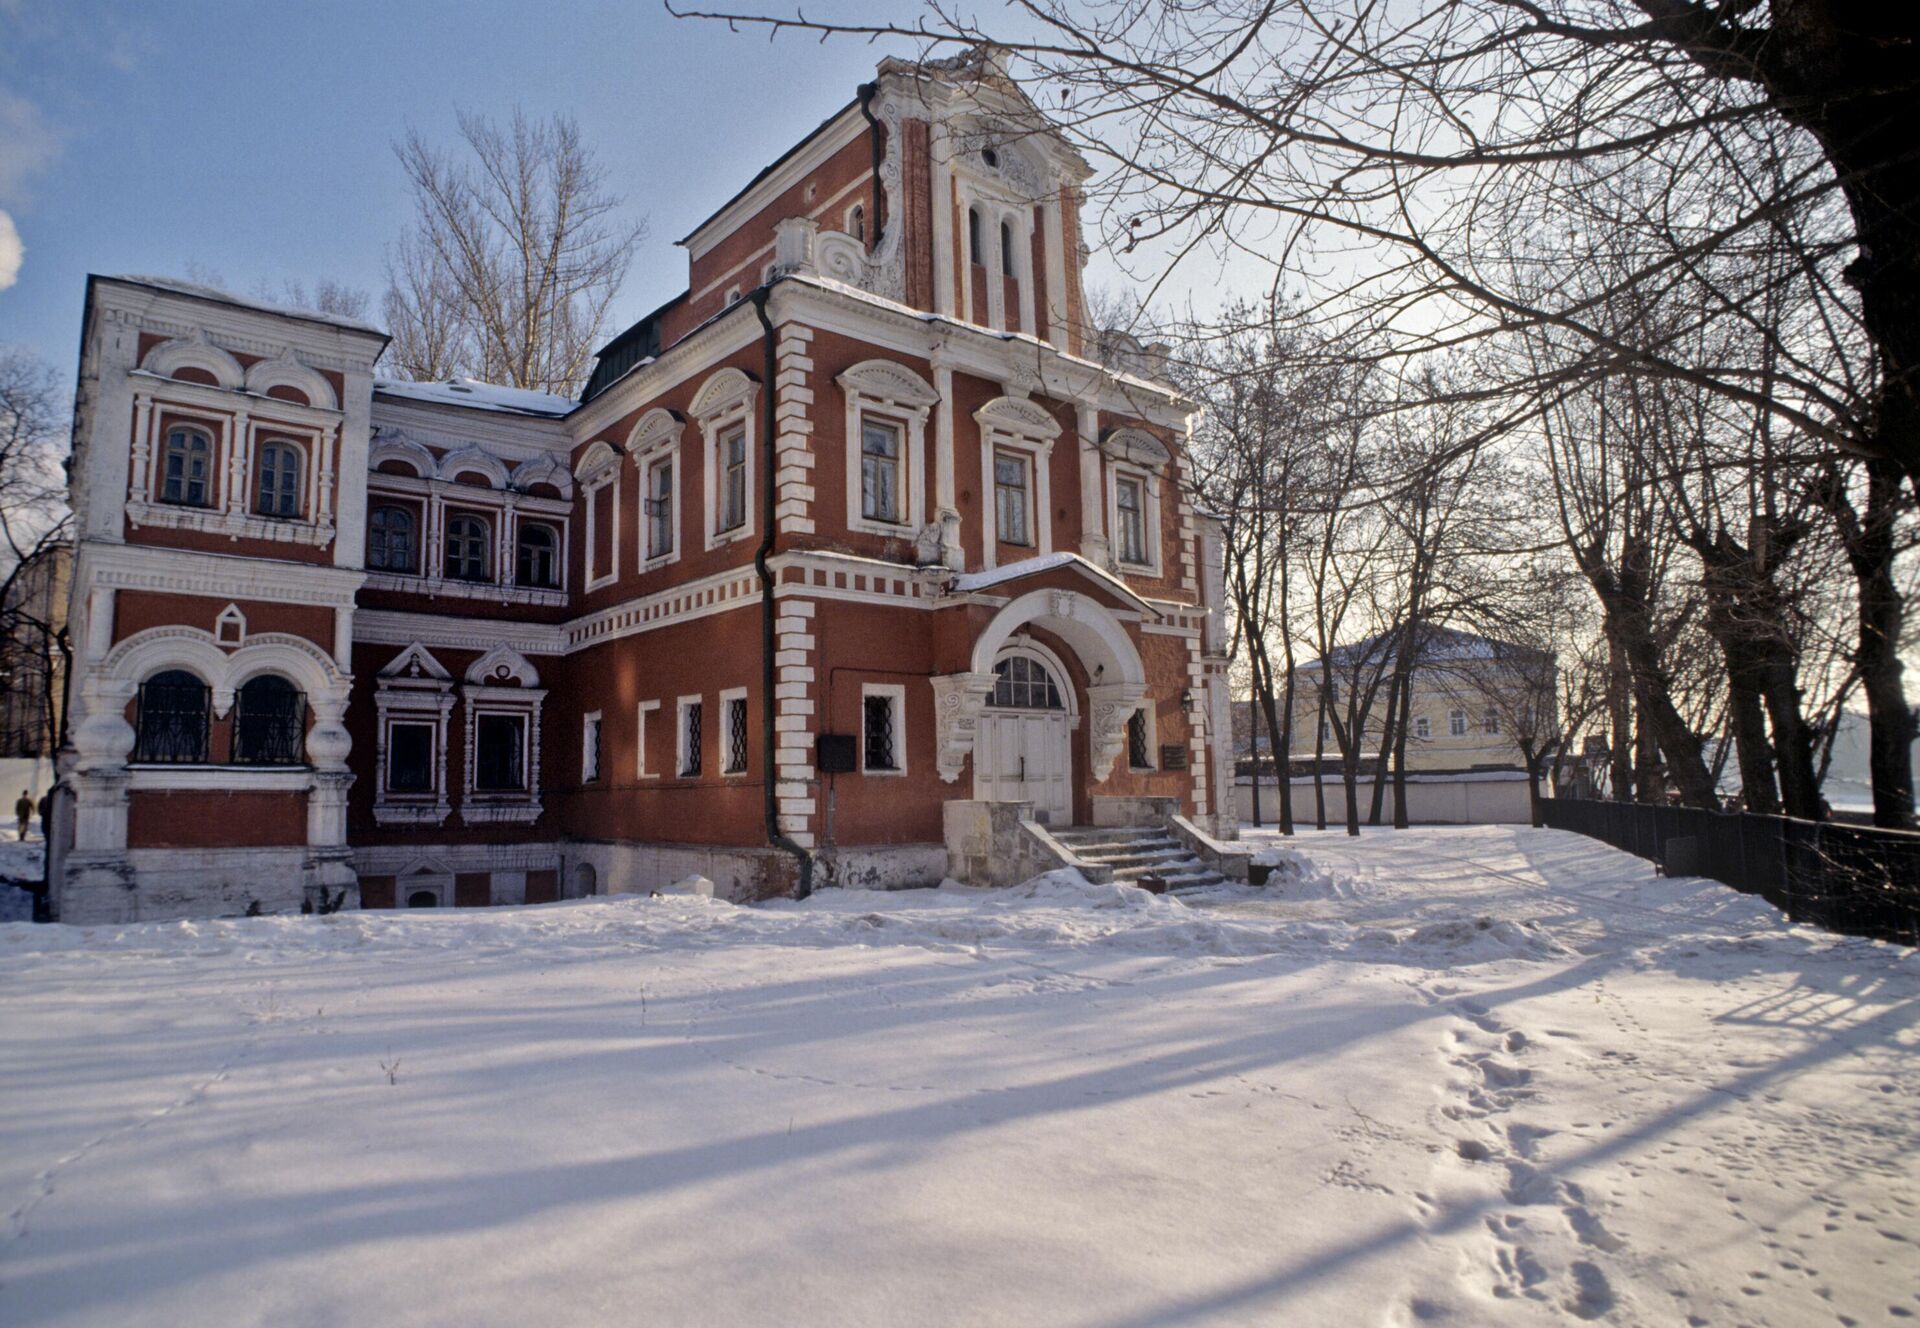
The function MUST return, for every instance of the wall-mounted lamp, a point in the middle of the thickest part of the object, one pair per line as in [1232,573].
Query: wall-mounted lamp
[1186,700]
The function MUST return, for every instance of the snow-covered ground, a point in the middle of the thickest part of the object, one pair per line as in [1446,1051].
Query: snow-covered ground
[1480,1076]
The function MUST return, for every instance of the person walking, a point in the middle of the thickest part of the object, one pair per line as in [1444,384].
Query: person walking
[23,810]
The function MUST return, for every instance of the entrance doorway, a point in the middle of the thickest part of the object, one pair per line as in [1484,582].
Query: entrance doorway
[1023,749]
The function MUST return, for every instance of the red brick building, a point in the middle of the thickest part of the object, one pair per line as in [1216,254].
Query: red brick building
[841,550]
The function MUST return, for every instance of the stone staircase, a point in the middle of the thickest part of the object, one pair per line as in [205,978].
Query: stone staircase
[1146,856]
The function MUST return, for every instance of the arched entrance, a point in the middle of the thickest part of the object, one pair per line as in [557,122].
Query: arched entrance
[1024,748]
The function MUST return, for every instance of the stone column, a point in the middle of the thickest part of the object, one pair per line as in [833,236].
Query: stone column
[1093,491]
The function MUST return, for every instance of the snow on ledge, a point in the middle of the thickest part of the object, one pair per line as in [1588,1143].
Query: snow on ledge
[476,395]
[1046,562]
[202,291]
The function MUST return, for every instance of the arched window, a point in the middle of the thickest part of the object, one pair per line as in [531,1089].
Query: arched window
[187,462]
[269,722]
[468,544]
[390,546]
[1023,683]
[172,720]
[279,480]
[423,899]
[538,560]
[974,251]
[857,223]
[1006,248]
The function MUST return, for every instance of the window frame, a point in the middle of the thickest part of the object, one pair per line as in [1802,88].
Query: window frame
[1422,727]
[592,759]
[666,459]
[729,699]
[641,712]
[556,553]
[488,551]
[1027,468]
[895,696]
[1151,563]
[1147,716]
[1490,723]
[521,721]
[209,498]
[299,488]
[299,731]
[141,754]
[1457,722]
[608,477]
[413,688]
[432,767]
[688,760]
[415,522]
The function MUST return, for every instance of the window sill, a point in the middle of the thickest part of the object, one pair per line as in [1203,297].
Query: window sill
[404,814]
[511,813]
[207,520]
[243,778]
[883,774]
[447,588]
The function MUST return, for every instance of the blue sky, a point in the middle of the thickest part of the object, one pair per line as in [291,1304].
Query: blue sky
[255,140]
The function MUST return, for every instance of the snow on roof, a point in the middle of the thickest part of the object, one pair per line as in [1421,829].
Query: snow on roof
[476,395]
[202,291]
[1046,562]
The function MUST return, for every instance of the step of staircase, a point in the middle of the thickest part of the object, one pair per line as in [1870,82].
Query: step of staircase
[1143,856]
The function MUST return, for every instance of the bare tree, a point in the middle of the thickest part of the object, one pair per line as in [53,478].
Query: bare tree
[515,256]
[34,522]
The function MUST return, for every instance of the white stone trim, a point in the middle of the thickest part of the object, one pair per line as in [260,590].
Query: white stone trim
[218,778]
[896,394]
[590,726]
[590,492]
[655,437]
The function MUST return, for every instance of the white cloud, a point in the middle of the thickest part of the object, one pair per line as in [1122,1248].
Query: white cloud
[27,143]
[11,252]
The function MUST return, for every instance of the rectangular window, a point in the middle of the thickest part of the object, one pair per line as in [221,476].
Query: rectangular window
[689,738]
[733,478]
[590,748]
[1139,742]
[500,753]
[410,758]
[1457,723]
[880,742]
[1011,485]
[659,501]
[1491,722]
[1422,727]
[640,740]
[735,715]
[881,487]
[1130,498]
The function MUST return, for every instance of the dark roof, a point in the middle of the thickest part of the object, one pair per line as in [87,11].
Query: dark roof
[1442,645]
[639,343]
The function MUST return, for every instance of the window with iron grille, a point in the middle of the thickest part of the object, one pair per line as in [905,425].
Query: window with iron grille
[185,464]
[269,722]
[882,751]
[500,756]
[1139,749]
[1022,683]
[736,735]
[390,539]
[279,480]
[172,719]
[689,739]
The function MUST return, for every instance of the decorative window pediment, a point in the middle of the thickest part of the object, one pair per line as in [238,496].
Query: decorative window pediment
[284,370]
[503,666]
[195,352]
[1019,419]
[1137,447]
[725,391]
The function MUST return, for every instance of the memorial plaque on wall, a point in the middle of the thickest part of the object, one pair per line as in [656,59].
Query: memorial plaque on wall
[1173,756]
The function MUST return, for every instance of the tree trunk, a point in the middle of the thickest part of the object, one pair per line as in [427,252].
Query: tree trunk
[1283,753]
[1748,719]
[1380,760]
